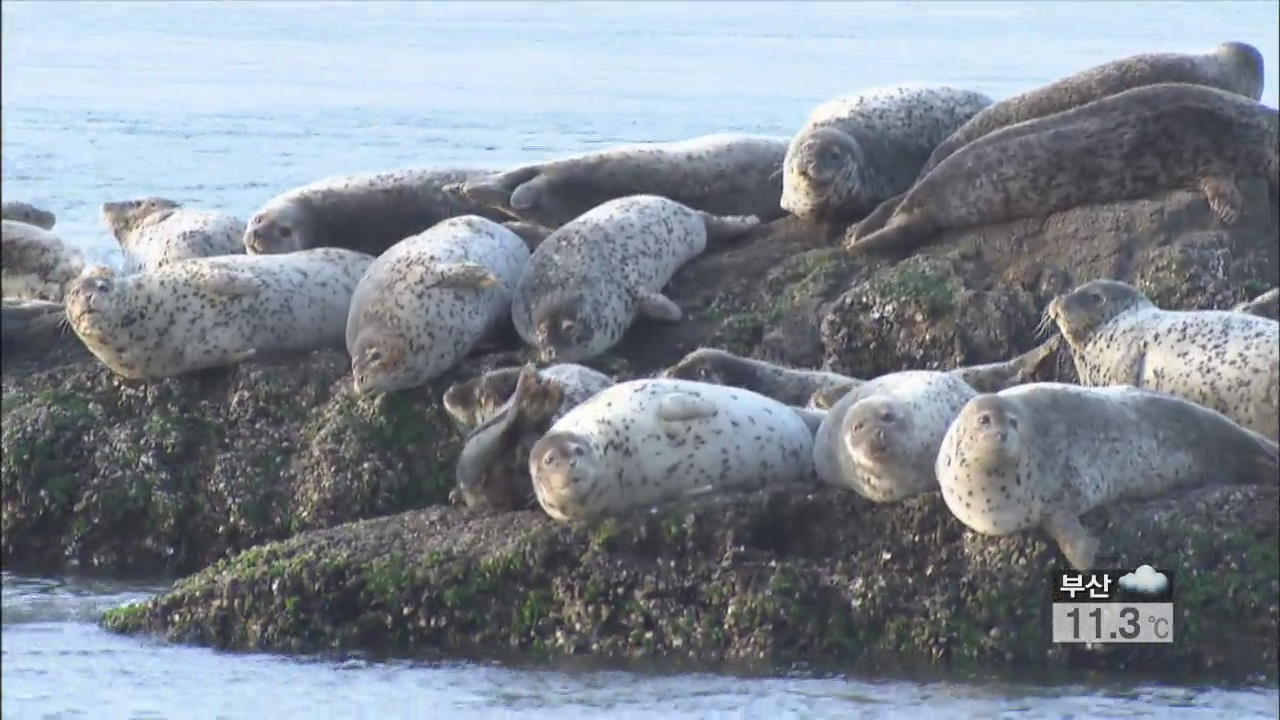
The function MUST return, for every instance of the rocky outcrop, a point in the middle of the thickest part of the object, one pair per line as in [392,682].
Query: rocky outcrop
[189,471]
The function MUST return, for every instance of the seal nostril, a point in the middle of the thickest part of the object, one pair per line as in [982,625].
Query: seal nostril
[984,419]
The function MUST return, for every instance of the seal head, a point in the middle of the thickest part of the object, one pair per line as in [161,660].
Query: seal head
[876,436]
[1081,311]
[995,500]
[126,216]
[565,331]
[90,299]
[378,363]
[824,174]
[280,228]
[566,468]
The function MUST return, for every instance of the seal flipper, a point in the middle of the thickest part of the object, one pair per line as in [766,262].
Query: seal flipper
[1224,198]
[826,397]
[876,219]
[224,281]
[726,227]
[453,275]
[528,193]
[812,418]
[904,232]
[1077,544]
[493,190]
[994,377]
[680,407]
[656,306]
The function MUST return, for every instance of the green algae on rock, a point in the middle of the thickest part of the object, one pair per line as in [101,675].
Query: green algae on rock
[826,579]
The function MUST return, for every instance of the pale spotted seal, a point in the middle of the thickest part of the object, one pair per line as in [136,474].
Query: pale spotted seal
[155,231]
[211,312]
[493,467]
[368,212]
[881,437]
[644,442]
[1041,455]
[1234,67]
[1228,361]
[36,264]
[426,302]
[1124,146]
[29,214]
[1266,305]
[854,152]
[472,402]
[722,174]
[593,277]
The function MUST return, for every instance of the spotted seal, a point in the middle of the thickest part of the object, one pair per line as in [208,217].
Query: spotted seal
[1233,66]
[1228,361]
[1043,454]
[645,442]
[212,312]
[1124,146]
[881,438]
[593,277]
[29,214]
[156,231]
[368,212]
[425,303]
[721,174]
[493,467]
[856,151]
[36,264]
[472,402]
[1266,305]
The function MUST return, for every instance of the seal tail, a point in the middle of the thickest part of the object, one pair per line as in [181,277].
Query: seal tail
[726,227]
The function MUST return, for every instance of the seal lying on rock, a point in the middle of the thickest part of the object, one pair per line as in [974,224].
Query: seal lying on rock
[493,468]
[27,324]
[36,264]
[368,212]
[592,278]
[212,312]
[1225,360]
[1266,305]
[1125,146]
[1234,67]
[855,152]
[1046,453]
[644,442]
[881,437]
[154,232]
[29,214]
[426,302]
[791,386]
[473,402]
[723,174]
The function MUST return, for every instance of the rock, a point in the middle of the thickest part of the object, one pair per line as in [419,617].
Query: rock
[775,577]
[976,296]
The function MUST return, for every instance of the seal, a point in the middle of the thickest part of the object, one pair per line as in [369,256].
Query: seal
[156,231]
[1234,67]
[646,442]
[721,174]
[36,264]
[473,402]
[791,386]
[1043,454]
[1124,146]
[29,214]
[881,437]
[589,280]
[425,303]
[213,312]
[1228,361]
[29,324]
[532,233]
[493,467]
[1266,305]
[854,152]
[367,212]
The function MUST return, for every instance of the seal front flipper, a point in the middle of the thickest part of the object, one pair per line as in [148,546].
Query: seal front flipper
[904,232]
[825,398]
[726,227]
[655,305]
[876,219]
[680,407]
[1077,544]
[994,377]
[453,275]
[223,281]
[493,190]
[528,193]
[1224,198]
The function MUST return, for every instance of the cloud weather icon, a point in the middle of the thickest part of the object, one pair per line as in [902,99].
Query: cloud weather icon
[1146,580]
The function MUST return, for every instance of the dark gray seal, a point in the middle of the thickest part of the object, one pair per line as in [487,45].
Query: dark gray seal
[1125,146]
[722,174]
[367,212]
[29,214]
[1266,305]
[472,402]
[793,386]
[856,151]
[1041,455]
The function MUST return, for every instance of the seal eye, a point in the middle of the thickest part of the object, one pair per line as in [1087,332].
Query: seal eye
[1013,423]
[984,419]
[549,458]
[832,156]
[373,355]
[577,450]
[857,426]
[704,373]
[886,416]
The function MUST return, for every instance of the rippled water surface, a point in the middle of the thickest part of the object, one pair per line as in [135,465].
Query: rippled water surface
[225,105]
